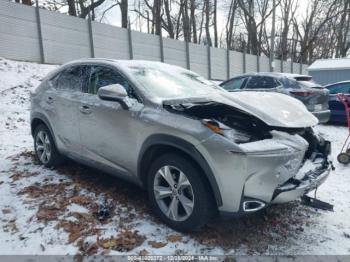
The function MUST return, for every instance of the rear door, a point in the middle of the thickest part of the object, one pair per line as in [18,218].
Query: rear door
[65,98]
[108,132]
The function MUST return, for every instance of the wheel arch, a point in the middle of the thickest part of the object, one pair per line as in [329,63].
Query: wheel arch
[36,120]
[158,144]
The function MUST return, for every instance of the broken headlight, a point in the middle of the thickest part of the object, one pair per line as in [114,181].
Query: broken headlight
[234,135]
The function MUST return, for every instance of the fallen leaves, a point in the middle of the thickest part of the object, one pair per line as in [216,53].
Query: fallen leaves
[174,238]
[87,248]
[125,241]
[84,226]
[6,211]
[48,212]
[22,174]
[10,226]
[45,190]
[156,244]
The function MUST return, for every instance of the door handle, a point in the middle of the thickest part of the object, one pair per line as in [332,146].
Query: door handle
[85,109]
[49,100]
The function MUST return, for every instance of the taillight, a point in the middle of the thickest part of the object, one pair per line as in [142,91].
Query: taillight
[301,93]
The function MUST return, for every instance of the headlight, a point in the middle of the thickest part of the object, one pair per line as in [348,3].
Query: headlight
[231,134]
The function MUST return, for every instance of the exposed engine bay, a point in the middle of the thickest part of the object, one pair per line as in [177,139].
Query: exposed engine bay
[223,115]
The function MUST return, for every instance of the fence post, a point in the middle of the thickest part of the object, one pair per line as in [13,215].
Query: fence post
[188,62]
[258,63]
[244,59]
[209,61]
[161,47]
[228,63]
[291,66]
[91,37]
[131,51]
[281,65]
[40,34]
[301,67]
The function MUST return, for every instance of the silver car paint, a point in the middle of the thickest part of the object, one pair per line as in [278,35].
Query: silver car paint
[113,137]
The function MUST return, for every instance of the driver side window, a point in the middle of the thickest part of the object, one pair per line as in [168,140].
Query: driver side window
[103,76]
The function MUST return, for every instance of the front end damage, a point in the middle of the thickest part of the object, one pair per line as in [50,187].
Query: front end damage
[283,175]
[266,165]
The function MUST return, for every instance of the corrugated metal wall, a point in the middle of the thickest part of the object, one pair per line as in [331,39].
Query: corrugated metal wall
[110,41]
[18,32]
[174,52]
[325,77]
[65,38]
[236,63]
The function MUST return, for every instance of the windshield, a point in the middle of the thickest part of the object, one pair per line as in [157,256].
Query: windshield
[165,83]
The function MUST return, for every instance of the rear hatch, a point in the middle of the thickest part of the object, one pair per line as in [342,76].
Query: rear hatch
[313,95]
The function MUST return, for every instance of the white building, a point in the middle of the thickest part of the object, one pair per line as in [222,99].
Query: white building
[327,71]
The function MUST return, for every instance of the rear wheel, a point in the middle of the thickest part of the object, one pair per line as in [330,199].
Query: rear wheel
[178,194]
[344,158]
[45,148]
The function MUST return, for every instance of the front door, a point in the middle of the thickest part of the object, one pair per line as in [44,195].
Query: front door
[108,132]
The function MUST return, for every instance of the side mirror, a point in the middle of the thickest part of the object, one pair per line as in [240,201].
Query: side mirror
[114,92]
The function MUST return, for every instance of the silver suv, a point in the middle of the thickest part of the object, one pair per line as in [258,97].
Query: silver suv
[197,149]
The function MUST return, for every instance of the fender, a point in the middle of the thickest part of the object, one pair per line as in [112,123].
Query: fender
[188,148]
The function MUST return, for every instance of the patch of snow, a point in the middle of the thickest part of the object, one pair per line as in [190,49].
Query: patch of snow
[77,208]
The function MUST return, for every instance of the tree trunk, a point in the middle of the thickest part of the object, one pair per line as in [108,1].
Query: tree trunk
[215,24]
[207,22]
[71,8]
[124,13]
[193,20]
[27,2]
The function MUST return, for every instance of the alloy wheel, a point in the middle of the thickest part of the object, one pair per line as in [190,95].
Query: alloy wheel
[43,146]
[173,193]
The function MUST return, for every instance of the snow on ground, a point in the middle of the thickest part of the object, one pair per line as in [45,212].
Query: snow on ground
[45,211]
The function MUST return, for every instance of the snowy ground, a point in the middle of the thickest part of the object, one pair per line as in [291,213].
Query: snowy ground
[45,211]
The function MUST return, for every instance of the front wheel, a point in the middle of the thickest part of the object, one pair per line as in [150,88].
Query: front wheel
[45,148]
[178,193]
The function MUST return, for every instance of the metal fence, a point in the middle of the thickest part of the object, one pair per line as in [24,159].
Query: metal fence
[37,35]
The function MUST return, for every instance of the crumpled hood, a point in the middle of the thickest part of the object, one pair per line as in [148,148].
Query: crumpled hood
[274,109]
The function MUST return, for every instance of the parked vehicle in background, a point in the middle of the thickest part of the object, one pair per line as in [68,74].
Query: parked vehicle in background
[301,87]
[336,107]
[197,149]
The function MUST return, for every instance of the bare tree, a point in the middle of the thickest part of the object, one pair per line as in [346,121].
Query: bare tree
[230,23]
[342,30]
[207,11]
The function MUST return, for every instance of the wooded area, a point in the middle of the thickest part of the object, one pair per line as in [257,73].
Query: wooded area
[304,31]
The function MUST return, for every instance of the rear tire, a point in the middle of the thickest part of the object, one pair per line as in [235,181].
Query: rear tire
[343,158]
[45,148]
[187,204]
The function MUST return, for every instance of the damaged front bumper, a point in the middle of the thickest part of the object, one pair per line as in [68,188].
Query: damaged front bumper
[297,187]
[268,171]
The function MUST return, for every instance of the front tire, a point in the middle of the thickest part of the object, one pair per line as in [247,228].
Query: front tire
[45,148]
[178,193]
